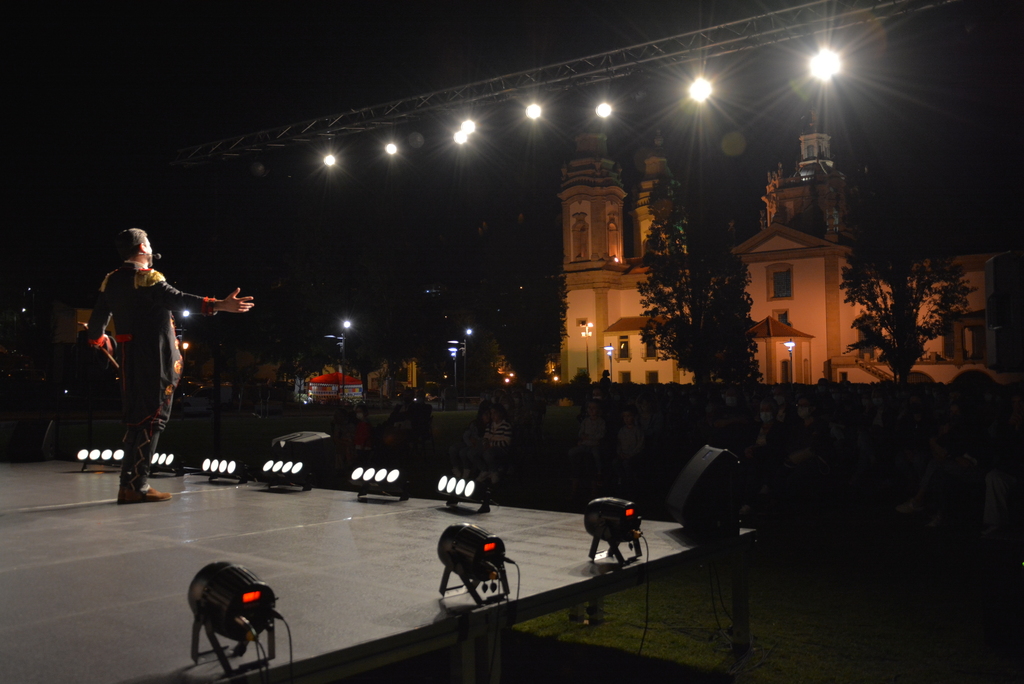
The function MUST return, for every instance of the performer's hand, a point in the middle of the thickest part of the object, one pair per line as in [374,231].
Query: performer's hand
[233,303]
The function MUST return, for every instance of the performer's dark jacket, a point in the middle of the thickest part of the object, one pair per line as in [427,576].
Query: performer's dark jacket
[146,347]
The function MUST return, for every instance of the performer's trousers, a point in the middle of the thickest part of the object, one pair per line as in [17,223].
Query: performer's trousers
[139,447]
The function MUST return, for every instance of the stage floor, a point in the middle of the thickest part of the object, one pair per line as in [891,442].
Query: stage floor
[95,592]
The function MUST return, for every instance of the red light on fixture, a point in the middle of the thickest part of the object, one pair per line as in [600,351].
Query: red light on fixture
[250,596]
[490,546]
[629,512]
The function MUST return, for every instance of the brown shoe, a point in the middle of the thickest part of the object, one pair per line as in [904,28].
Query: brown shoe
[132,496]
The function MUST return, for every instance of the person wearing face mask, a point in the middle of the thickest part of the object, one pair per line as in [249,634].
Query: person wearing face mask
[140,301]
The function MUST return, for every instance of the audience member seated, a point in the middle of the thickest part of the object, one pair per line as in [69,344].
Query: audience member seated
[588,448]
[629,445]
[497,443]
[467,452]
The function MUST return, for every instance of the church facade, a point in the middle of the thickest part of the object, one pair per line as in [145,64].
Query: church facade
[804,328]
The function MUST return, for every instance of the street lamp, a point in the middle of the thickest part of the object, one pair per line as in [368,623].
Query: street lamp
[608,350]
[588,331]
[341,343]
[454,351]
[460,347]
[789,345]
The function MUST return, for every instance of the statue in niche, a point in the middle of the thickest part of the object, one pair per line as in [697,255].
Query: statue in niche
[764,219]
[614,241]
[580,237]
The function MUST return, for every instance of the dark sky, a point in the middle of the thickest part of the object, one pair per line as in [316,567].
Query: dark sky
[931,104]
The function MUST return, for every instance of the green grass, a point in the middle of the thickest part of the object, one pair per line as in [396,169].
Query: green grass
[844,594]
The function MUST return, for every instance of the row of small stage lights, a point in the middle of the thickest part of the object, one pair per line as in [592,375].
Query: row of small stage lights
[823,66]
[275,472]
[231,601]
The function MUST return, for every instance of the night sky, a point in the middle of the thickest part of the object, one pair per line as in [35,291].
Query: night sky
[932,105]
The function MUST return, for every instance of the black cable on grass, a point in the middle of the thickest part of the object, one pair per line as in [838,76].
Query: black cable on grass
[647,599]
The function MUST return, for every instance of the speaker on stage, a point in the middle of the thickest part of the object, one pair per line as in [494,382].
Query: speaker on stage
[31,441]
[703,499]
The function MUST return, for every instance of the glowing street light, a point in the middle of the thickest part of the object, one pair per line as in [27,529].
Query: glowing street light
[329,160]
[825,64]
[461,137]
[700,89]
[604,110]
[533,111]
[391,148]
[468,126]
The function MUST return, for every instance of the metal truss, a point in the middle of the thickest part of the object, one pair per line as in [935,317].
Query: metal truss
[801,21]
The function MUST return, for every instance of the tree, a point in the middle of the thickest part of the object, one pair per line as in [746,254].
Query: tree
[695,294]
[907,302]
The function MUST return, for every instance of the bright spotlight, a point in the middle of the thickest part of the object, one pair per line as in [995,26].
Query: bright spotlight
[391,148]
[329,160]
[604,110]
[700,89]
[533,111]
[461,137]
[468,126]
[378,482]
[825,65]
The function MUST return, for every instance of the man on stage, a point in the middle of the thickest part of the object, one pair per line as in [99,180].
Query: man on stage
[146,349]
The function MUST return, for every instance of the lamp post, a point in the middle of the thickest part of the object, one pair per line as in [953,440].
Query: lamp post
[588,331]
[341,343]
[789,345]
[454,351]
[608,350]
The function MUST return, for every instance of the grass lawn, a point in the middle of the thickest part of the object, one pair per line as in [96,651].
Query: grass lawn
[848,593]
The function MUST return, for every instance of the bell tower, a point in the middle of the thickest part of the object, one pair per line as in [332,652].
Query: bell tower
[655,171]
[592,198]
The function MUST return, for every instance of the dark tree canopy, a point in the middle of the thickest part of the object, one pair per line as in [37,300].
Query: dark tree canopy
[907,302]
[696,295]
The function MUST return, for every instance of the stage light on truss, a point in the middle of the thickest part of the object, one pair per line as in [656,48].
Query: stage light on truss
[461,137]
[533,111]
[458,489]
[275,474]
[477,557]
[468,126]
[330,160]
[604,110]
[825,65]
[386,482]
[700,89]
[230,601]
[614,521]
[391,148]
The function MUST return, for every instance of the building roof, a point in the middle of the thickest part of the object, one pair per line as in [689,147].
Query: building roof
[629,323]
[770,327]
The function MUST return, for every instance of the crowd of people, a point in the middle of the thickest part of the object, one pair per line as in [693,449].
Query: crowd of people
[951,454]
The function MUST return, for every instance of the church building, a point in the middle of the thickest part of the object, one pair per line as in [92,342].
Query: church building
[803,328]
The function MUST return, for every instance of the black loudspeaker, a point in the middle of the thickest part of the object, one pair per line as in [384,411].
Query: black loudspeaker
[1004,312]
[703,498]
[29,442]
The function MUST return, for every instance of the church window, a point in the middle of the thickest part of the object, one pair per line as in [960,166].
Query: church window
[780,281]
[652,377]
[781,315]
[624,347]
[650,350]
[810,151]
[624,377]
[974,342]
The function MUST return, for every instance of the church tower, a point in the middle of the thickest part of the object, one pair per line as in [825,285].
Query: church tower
[655,171]
[813,199]
[592,197]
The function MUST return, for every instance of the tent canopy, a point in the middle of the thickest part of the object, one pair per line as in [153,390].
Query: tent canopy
[336,379]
